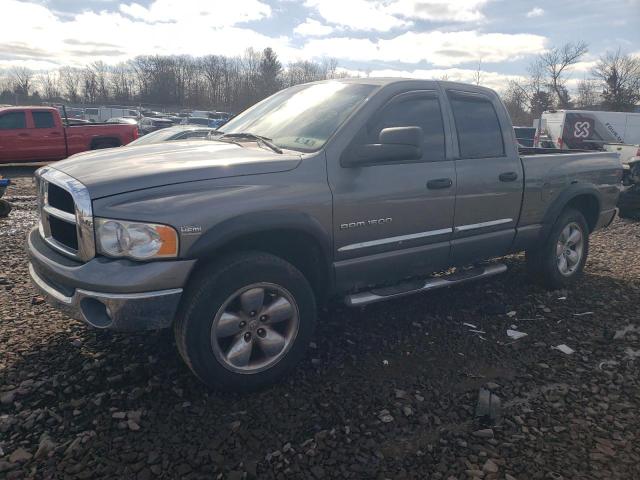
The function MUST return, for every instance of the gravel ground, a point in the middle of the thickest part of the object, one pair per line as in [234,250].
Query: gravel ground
[388,391]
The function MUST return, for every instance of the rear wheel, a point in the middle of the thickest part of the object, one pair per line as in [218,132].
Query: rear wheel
[562,256]
[246,321]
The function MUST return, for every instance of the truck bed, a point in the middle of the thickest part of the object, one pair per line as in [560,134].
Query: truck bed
[548,173]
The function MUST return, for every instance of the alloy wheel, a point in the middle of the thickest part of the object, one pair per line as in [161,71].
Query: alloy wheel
[255,327]
[570,249]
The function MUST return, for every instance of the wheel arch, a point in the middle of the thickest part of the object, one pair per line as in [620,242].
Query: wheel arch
[297,238]
[584,198]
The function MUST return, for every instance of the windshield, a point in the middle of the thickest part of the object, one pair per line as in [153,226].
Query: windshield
[155,137]
[302,117]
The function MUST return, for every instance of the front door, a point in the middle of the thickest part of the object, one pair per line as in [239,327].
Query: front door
[15,140]
[394,220]
[490,179]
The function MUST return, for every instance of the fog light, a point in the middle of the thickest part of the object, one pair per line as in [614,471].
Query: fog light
[95,313]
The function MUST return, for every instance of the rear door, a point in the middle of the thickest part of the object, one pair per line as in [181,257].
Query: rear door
[490,178]
[15,142]
[47,136]
[394,220]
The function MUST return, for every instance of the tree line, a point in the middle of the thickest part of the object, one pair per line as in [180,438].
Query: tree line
[613,84]
[233,83]
[213,81]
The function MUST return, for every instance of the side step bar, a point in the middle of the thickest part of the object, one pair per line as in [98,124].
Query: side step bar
[431,283]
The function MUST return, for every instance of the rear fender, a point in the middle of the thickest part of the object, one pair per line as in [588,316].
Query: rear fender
[563,200]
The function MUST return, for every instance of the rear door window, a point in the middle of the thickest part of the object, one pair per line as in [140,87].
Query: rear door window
[479,131]
[13,121]
[43,119]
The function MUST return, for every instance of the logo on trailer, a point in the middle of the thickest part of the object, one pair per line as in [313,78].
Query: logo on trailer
[582,130]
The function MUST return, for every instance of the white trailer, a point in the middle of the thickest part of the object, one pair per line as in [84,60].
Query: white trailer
[102,114]
[591,130]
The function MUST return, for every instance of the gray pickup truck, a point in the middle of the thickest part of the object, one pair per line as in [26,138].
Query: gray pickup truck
[361,190]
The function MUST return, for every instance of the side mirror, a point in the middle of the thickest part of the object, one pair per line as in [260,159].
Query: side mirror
[411,136]
[395,144]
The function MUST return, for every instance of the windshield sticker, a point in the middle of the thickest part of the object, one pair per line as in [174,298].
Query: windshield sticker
[308,142]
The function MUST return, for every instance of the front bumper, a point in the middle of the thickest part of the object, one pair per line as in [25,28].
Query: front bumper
[109,294]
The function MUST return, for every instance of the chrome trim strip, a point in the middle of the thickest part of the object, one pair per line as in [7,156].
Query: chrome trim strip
[400,238]
[83,212]
[56,245]
[492,223]
[62,215]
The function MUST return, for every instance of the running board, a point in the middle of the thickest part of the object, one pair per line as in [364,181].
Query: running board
[424,285]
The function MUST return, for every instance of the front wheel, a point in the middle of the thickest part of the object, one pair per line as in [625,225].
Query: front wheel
[562,256]
[246,321]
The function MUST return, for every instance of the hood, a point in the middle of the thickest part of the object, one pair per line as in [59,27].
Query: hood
[124,169]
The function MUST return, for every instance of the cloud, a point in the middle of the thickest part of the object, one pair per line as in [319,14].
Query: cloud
[49,40]
[357,14]
[117,36]
[312,28]
[438,48]
[216,13]
[440,10]
[584,66]
[535,12]
[383,15]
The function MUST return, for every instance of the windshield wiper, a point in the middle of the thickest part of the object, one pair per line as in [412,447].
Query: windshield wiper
[251,136]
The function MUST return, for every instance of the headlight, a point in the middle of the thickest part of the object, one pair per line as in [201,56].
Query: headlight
[139,241]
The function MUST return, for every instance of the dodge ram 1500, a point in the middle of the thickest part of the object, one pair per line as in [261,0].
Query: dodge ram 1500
[352,189]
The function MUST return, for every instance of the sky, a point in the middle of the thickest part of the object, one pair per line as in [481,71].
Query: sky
[411,38]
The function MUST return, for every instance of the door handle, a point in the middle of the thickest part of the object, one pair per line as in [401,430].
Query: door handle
[23,134]
[439,183]
[508,177]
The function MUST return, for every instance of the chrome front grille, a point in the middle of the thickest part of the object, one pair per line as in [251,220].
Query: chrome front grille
[66,217]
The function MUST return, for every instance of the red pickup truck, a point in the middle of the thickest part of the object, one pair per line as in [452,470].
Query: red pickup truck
[36,134]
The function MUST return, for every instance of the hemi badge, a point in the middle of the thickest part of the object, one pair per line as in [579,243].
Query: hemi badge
[190,229]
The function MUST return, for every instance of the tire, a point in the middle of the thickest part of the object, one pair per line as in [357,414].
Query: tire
[209,330]
[5,208]
[545,264]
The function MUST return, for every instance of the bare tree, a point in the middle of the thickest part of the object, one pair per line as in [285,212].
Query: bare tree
[534,90]
[619,76]
[122,82]
[213,81]
[517,101]
[556,63]
[588,95]
[50,85]
[70,79]
[101,78]
[477,75]
[22,78]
